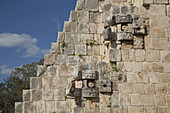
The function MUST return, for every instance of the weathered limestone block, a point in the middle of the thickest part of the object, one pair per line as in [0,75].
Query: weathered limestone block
[123,19]
[62,107]
[68,37]
[28,107]
[165,56]
[147,67]
[73,16]
[160,100]
[65,70]
[41,70]
[165,78]
[154,77]
[55,48]
[127,66]
[158,67]
[49,59]
[52,71]
[75,38]
[135,99]
[18,107]
[121,36]
[74,26]
[95,17]
[83,16]
[93,27]
[83,28]
[157,33]
[162,89]
[92,5]
[86,38]
[105,86]
[72,60]
[105,100]
[100,28]
[59,82]
[166,67]
[124,10]
[90,92]
[161,1]
[139,27]
[143,77]
[80,4]
[61,37]
[70,49]
[160,43]
[109,35]
[80,49]
[61,59]
[48,95]
[26,95]
[36,95]
[157,21]
[157,10]
[114,10]
[115,98]
[138,89]
[125,55]
[147,2]
[140,55]
[134,109]
[137,67]
[109,21]
[132,77]
[35,83]
[50,107]
[114,55]
[147,100]
[67,26]
[138,42]
[125,88]
[168,100]
[168,10]
[59,94]
[149,89]
[124,99]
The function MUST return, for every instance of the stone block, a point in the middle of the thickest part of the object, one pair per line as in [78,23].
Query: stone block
[61,59]
[59,94]
[157,10]
[62,107]
[157,21]
[122,36]
[65,70]
[166,67]
[48,95]
[35,83]
[18,107]
[72,60]
[115,98]
[160,100]
[114,55]
[125,99]
[81,4]
[147,2]
[91,5]
[83,16]
[59,82]
[93,27]
[50,106]
[147,100]
[36,95]
[124,10]
[149,89]
[95,17]
[138,89]
[154,77]
[28,107]
[165,56]
[137,67]
[126,88]
[161,1]
[132,77]
[75,39]
[90,92]
[55,48]
[147,67]
[138,42]
[161,89]
[105,100]
[80,49]
[49,59]
[74,26]
[61,37]
[125,55]
[40,105]
[114,10]
[165,78]
[100,28]
[47,83]
[26,95]
[148,42]
[67,26]
[168,10]
[167,32]
[67,37]
[123,19]
[127,67]
[168,100]
[140,55]
[73,16]
[105,86]
[134,109]
[157,33]
[152,55]
[96,51]
[70,49]
[135,99]
[83,28]
[52,71]
[109,35]
[143,77]
[158,67]
[160,43]
[78,84]
[41,70]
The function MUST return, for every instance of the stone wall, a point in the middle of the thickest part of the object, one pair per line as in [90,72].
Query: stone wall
[113,56]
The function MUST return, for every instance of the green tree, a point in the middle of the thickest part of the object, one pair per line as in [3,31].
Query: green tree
[12,87]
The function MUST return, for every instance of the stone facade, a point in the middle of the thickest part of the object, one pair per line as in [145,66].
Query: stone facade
[113,56]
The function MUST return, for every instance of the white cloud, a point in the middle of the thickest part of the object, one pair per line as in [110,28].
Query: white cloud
[22,41]
[5,70]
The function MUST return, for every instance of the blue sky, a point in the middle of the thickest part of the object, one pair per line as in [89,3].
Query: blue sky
[27,28]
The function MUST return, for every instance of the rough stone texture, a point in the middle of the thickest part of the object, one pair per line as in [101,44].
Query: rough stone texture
[128,74]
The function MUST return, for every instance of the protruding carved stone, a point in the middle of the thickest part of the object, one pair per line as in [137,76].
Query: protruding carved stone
[139,27]
[77,75]
[105,86]
[109,35]
[90,74]
[124,36]
[90,92]
[123,19]
[114,55]
[72,91]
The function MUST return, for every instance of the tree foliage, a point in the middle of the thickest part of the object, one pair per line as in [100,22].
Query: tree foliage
[12,87]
